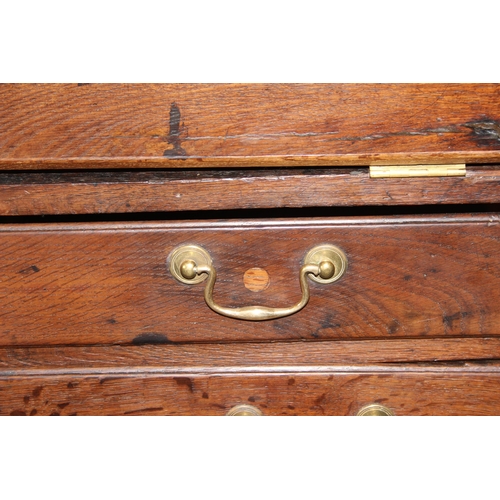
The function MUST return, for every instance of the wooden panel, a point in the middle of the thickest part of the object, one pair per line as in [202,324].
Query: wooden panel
[171,126]
[33,193]
[109,283]
[240,357]
[343,391]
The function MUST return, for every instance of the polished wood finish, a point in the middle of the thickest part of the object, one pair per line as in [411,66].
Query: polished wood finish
[417,390]
[147,355]
[56,193]
[288,378]
[237,125]
[110,283]
[93,323]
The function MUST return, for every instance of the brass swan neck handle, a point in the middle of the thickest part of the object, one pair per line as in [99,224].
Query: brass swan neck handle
[192,264]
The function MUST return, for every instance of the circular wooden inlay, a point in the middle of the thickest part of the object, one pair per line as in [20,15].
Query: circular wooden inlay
[256,279]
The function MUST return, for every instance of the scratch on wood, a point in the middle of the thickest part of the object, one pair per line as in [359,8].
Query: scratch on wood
[453,129]
[426,131]
[143,410]
[487,129]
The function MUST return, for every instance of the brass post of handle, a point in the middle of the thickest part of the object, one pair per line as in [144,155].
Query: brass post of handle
[192,264]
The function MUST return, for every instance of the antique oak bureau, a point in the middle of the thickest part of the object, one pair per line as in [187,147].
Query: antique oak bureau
[249,249]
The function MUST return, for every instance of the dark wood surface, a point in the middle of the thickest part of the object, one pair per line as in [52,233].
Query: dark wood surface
[414,390]
[92,322]
[34,193]
[109,283]
[178,126]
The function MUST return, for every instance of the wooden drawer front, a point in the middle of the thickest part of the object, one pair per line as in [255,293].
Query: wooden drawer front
[109,283]
[427,392]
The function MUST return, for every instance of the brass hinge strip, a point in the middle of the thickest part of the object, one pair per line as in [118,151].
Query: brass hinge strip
[378,171]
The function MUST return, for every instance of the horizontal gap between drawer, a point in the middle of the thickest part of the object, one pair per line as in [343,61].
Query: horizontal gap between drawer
[273,213]
[191,193]
[152,175]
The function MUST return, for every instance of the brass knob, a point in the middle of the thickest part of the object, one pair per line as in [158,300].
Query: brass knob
[188,269]
[244,411]
[326,269]
[375,410]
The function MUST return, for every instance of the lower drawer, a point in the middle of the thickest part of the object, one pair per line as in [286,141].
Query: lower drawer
[404,390]
[111,283]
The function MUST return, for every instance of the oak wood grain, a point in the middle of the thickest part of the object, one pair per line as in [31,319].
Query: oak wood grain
[92,322]
[60,126]
[265,357]
[408,277]
[466,390]
[55,193]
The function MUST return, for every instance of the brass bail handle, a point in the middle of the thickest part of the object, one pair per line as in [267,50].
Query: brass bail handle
[192,264]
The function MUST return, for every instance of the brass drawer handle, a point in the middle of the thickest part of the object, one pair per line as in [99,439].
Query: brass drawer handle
[192,264]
